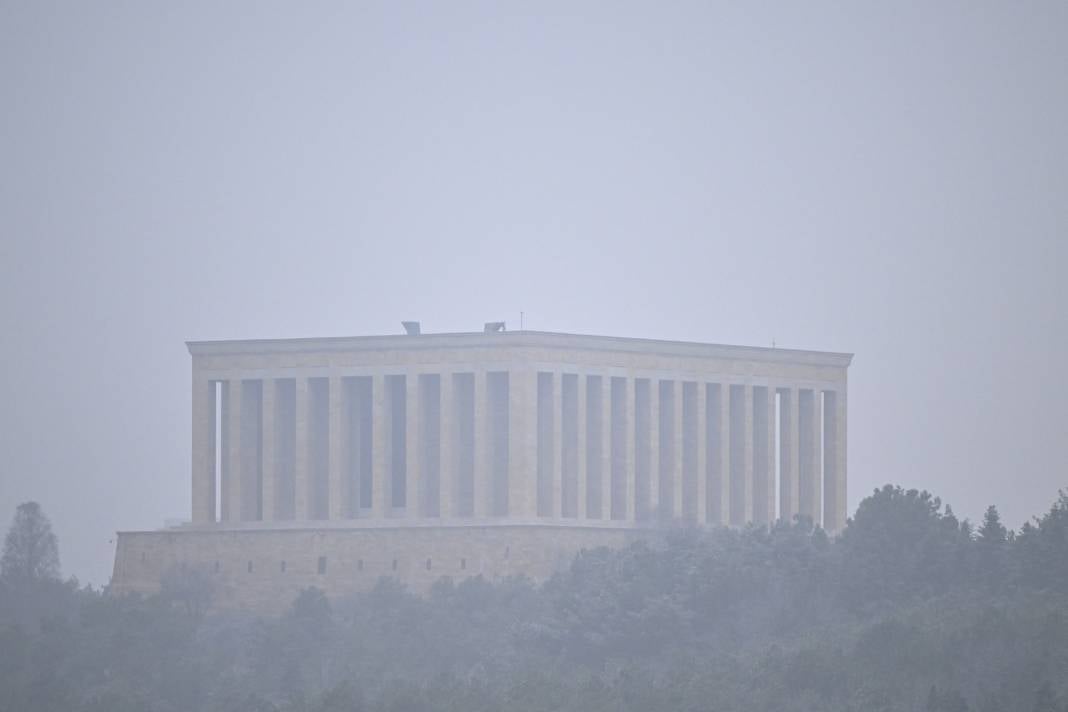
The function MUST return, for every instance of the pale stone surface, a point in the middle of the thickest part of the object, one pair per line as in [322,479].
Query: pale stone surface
[232,436]
[300,493]
[764,478]
[482,451]
[523,443]
[413,471]
[653,486]
[789,492]
[701,428]
[380,488]
[809,419]
[558,447]
[256,525]
[834,464]
[355,558]
[580,455]
[204,475]
[338,497]
[725,454]
[605,405]
[676,446]
[630,452]
[447,488]
[269,469]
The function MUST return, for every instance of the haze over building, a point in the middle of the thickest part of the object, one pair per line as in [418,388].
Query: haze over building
[335,461]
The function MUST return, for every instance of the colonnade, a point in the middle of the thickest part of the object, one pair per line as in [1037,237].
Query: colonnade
[530,444]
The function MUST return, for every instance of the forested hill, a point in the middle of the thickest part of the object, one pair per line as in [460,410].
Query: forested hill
[909,609]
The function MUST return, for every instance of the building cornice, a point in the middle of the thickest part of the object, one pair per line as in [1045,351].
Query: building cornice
[517,339]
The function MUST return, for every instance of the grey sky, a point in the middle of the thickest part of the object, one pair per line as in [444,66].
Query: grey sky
[889,179]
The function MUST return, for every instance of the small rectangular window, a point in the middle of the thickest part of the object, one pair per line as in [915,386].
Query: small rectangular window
[463,564]
[394,564]
[322,565]
[216,567]
[359,564]
[428,564]
[250,567]
[283,567]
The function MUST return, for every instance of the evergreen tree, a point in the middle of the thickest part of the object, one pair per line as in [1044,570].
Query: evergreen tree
[898,546]
[31,552]
[1042,550]
[992,532]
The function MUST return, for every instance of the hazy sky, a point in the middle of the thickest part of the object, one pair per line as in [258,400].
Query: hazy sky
[889,179]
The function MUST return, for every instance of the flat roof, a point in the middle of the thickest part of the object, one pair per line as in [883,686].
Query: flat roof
[479,339]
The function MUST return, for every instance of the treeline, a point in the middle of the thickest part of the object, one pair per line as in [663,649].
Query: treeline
[909,609]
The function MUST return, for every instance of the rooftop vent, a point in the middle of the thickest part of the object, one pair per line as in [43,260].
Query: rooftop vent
[493,326]
[411,327]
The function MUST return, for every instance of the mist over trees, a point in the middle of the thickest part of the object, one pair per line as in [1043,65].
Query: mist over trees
[31,552]
[910,608]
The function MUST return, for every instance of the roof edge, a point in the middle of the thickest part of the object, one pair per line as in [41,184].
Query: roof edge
[509,338]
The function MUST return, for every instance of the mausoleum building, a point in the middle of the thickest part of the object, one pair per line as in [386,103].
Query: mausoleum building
[334,461]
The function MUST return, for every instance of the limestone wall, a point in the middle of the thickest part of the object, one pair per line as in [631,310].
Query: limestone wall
[264,570]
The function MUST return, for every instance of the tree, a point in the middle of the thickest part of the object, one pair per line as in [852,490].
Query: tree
[191,589]
[30,549]
[1042,549]
[992,531]
[898,546]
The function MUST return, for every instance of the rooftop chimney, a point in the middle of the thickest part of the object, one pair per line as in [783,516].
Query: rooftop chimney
[412,327]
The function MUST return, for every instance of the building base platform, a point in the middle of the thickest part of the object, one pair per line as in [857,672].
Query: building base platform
[263,570]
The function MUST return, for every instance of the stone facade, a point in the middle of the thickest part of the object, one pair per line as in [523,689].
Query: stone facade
[320,461]
[263,570]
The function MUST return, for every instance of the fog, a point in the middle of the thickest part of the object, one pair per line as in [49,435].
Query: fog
[883,180]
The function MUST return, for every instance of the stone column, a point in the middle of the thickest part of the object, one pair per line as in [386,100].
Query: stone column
[523,443]
[224,451]
[654,450]
[763,454]
[270,469]
[580,417]
[606,447]
[809,445]
[701,446]
[724,454]
[203,505]
[413,445]
[338,491]
[771,504]
[817,446]
[380,450]
[558,445]
[630,448]
[232,497]
[842,462]
[741,454]
[789,492]
[834,460]
[301,501]
[251,450]
[676,446]
[447,433]
[748,454]
[482,449]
